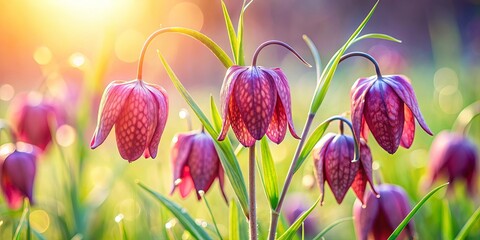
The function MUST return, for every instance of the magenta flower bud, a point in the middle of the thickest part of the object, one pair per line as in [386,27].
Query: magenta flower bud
[256,101]
[454,157]
[195,163]
[17,173]
[378,217]
[333,164]
[387,106]
[139,112]
[31,116]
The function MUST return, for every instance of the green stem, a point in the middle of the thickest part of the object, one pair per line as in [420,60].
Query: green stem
[275,214]
[468,225]
[367,56]
[219,53]
[252,216]
[202,194]
[466,116]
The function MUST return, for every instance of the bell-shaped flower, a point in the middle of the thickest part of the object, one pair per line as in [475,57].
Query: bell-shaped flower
[455,157]
[195,163]
[32,116]
[139,112]
[379,216]
[256,101]
[387,106]
[17,173]
[333,164]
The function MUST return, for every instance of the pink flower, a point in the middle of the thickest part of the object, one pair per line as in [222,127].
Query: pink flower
[333,164]
[256,101]
[195,163]
[139,112]
[387,106]
[455,157]
[31,117]
[378,217]
[17,173]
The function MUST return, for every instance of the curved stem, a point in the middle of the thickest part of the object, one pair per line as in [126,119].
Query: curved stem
[466,116]
[252,216]
[365,55]
[219,53]
[255,55]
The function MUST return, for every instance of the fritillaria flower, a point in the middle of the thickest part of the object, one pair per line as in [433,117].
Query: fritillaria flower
[195,163]
[378,217]
[387,106]
[454,156]
[31,117]
[333,164]
[256,101]
[295,205]
[17,173]
[139,112]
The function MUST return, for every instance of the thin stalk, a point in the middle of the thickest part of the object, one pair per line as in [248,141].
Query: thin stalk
[24,218]
[464,119]
[252,216]
[275,214]
[365,55]
[202,194]
[257,51]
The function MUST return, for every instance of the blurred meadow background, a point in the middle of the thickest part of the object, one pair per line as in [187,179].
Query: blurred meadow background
[70,50]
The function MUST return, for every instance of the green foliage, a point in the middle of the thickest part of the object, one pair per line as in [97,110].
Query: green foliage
[180,213]
[291,231]
[468,225]
[332,225]
[268,174]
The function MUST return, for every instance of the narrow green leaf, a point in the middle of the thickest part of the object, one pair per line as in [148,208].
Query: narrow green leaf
[217,119]
[23,220]
[327,75]
[180,213]
[468,225]
[310,143]
[237,226]
[415,209]
[377,36]
[224,148]
[209,43]
[269,173]
[240,60]
[296,225]
[447,231]
[332,225]
[316,56]
[38,235]
[231,31]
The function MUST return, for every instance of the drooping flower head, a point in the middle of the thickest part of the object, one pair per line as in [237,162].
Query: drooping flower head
[31,116]
[333,164]
[195,163]
[455,157]
[256,101]
[139,112]
[17,173]
[378,217]
[388,107]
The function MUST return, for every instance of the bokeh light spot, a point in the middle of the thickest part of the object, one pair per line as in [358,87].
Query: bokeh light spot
[6,92]
[39,220]
[418,158]
[34,98]
[119,218]
[65,135]
[129,208]
[186,14]
[77,60]
[128,45]
[445,77]
[450,100]
[42,55]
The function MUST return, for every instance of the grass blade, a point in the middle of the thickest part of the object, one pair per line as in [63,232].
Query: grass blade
[447,231]
[224,148]
[269,174]
[377,36]
[237,226]
[332,225]
[410,215]
[468,226]
[298,223]
[316,56]
[231,31]
[180,213]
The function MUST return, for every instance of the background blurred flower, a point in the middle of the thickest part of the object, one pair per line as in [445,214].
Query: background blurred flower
[378,217]
[295,205]
[139,112]
[387,106]
[17,173]
[195,163]
[32,115]
[455,157]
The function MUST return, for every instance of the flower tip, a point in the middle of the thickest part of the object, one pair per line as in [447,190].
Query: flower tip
[364,206]
[377,196]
